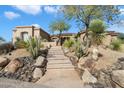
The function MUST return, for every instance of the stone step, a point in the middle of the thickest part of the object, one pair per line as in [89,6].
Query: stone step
[59,62]
[52,63]
[56,53]
[60,66]
[57,59]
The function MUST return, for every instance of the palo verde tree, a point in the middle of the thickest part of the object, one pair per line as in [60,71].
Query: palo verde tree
[83,15]
[59,26]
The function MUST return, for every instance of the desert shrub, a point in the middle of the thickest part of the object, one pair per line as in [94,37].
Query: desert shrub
[20,43]
[115,44]
[42,46]
[121,37]
[33,46]
[45,40]
[2,40]
[68,43]
[79,51]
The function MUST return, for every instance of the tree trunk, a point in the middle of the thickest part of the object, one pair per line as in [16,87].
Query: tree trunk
[86,41]
[59,41]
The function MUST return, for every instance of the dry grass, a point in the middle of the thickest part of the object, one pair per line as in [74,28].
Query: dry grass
[109,57]
[122,48]
[17,53]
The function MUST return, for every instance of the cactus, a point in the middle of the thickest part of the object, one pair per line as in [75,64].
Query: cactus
[33,46]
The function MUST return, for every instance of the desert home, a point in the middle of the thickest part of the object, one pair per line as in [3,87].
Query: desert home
[24,32]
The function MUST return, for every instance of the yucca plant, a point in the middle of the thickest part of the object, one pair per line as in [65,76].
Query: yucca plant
[97,28]
[33,46]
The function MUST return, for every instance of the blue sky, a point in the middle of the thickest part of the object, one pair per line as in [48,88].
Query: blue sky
[11,16]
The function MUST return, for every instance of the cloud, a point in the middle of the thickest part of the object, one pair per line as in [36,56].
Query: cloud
[29,9]
[51,9]
[122,22]
[122,11]
[11,15]
[36,25]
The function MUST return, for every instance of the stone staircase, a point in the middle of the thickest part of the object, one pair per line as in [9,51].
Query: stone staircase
[58,60]
[60,71]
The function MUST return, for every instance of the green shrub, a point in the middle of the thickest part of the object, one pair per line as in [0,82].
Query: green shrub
[68,43]
[20,43]
[115,44]
[121,37]
[97,28]
[45,40]
[79,51]
[33,46]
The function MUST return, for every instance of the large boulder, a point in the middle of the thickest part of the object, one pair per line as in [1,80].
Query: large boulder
[37,73]
[104,79]
[86,63]
[121,62]
[66,50]
[13,66]
[88,78]
[118,77]
[81,63]
[3,61]
[39,61]
[95,53]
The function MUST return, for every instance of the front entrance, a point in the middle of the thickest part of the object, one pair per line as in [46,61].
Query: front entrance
[25,36]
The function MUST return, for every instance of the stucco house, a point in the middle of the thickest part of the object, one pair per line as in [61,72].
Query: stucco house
[24,32]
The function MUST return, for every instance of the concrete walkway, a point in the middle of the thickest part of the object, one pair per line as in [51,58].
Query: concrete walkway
[60,71]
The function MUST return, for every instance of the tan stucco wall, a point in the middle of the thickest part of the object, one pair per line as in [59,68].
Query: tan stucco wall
[18,32]
[32,31]
[106,41]
[36,32]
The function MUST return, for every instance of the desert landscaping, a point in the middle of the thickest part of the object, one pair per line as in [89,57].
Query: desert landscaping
[90,58]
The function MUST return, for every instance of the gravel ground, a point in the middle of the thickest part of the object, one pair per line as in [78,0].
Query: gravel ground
[9,83]
[109,57]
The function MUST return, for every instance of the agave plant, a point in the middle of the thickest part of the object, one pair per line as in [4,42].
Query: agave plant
[33,46]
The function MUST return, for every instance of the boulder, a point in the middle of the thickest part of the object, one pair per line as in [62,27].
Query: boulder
[118,77]
[37,73]
[105,80]
[66,50]
[81,63]
[39,61]
[95,54]
[3,61]
[86,63]
[74,60]
[121,62]
[13,66]
[88,78]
